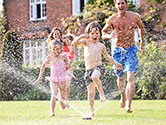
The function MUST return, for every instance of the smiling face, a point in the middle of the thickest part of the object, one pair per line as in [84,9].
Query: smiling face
[55,47]
[56,34]
[94,34]
[67,41]
[121,6]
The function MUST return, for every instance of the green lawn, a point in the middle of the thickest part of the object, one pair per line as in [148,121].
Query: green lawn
[152,112]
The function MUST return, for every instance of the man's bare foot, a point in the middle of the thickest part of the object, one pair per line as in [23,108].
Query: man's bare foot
[128,110]
[122,103]
[52,114]
[102,98]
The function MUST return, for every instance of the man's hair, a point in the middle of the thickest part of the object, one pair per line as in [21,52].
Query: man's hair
[125,1]
[92,25]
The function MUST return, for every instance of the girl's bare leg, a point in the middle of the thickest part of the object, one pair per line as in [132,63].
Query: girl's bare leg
[62,94]
[96,79]
[68,89]
[53,87]
[91,95]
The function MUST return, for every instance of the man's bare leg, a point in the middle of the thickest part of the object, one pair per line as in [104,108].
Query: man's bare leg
[121,84]
[96,79]
[91,95]
[130,90]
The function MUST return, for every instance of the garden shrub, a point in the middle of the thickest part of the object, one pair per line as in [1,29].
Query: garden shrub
[150,76]
[78,87]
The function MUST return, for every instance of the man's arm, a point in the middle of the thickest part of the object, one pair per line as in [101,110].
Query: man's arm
[141,32]
[106,29]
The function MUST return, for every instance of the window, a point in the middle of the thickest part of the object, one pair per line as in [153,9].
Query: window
[78,6]
[135,2]
[37,9]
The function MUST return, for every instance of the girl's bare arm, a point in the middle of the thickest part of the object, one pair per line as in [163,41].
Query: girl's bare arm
[39,79]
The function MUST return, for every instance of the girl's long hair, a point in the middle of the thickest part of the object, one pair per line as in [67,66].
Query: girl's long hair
[50,36]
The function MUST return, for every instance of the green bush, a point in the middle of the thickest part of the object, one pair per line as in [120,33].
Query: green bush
[149,78]
[78,87]
[33,94]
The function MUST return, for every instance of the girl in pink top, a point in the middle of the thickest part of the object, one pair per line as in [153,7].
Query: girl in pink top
[58,62]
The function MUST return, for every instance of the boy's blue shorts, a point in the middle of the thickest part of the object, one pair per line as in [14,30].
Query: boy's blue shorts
[127,57]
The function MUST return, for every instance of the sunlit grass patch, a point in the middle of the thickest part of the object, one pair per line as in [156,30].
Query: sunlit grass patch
[145,112]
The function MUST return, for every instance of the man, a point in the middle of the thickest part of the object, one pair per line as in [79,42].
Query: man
[123,25]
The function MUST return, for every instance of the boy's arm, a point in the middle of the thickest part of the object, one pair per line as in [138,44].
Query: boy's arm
[39,79]
[110,59]
[79,40]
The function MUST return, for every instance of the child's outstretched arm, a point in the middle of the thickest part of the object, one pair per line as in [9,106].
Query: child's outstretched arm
[80,40]
[110,59]
[39,79]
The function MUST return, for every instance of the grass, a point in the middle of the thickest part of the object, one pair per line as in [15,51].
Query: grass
[145,112]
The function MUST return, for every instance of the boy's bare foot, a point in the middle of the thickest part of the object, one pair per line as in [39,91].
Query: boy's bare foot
[62,106]
[128,110]
[92,114]
[67,104]
[102,98]
[52,114]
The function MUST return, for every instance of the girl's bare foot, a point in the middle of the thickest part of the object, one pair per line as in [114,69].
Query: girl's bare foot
[128,110]
[52,114]
[102,98]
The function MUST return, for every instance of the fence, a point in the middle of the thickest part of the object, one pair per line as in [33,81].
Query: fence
[35,51]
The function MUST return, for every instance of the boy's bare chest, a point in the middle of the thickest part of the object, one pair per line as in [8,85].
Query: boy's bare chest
[93,49]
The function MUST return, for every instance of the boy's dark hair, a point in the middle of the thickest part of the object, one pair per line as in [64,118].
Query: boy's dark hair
[93,25]
[125,1]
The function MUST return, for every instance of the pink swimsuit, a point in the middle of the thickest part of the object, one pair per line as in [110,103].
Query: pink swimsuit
[58,72]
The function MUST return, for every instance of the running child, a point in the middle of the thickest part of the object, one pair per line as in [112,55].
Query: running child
[93,50]
[58,62]
[67,39]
